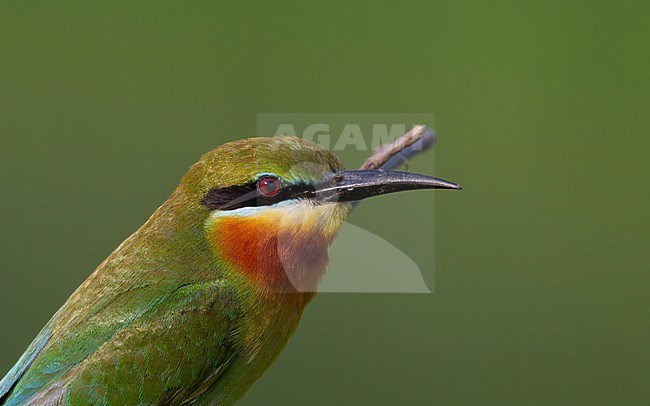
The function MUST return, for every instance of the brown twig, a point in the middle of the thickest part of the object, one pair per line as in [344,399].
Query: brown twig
[384,153]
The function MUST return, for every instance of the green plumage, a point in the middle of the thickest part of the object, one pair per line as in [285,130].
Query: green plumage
[199,302]
[163,320]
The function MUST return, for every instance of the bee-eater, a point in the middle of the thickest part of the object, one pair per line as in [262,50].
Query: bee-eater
[195,305]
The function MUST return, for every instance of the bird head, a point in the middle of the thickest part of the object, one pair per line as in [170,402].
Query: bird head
[273,205]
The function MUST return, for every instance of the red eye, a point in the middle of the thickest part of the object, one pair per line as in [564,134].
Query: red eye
[268,186]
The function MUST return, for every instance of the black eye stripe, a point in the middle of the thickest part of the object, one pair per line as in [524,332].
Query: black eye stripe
[236,197]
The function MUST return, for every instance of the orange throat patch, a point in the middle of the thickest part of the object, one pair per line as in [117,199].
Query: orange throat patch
[278,249]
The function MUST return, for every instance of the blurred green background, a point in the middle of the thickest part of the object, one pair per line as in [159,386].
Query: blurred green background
[541,263]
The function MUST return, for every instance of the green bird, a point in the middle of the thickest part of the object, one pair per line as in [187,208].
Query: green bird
[195,305]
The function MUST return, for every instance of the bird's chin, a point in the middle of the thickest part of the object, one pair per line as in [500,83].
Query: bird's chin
[279,248]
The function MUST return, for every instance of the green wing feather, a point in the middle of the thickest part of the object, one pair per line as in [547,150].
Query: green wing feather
[24,362]
[101,361]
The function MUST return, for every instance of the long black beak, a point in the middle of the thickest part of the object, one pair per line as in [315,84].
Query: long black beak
[349,186]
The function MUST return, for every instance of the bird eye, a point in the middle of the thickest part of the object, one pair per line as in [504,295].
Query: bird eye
[268,186]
